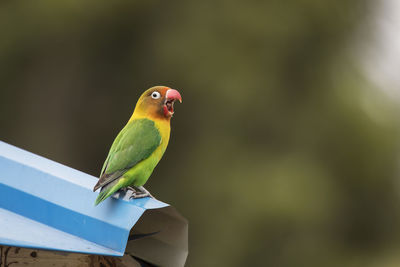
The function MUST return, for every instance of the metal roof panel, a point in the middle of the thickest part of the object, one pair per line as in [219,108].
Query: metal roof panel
[54,201]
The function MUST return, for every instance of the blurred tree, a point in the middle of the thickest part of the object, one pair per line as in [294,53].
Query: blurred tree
[282,154]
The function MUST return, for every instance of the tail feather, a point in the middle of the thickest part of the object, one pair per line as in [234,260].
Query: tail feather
[106,191]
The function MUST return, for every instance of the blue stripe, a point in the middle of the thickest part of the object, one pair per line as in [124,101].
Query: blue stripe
[63,219]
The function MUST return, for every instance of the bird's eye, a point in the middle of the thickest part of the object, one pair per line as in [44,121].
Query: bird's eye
[155,95]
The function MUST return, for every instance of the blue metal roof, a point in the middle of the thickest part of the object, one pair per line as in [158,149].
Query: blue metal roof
[46,205]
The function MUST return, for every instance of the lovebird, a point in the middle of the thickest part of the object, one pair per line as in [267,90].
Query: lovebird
[140,145]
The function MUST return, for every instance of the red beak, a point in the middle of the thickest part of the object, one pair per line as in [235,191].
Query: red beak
[173,95]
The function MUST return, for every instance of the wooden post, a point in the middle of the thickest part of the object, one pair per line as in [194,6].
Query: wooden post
[18,257]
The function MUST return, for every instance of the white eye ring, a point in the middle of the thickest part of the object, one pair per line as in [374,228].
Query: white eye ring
[155,95]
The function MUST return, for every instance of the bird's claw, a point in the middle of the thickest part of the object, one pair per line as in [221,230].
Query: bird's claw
[136,195]
[140,192]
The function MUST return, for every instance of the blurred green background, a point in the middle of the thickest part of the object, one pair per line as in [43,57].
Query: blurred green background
[282,153]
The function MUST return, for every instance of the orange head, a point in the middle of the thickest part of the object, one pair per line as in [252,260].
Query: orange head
[157,102]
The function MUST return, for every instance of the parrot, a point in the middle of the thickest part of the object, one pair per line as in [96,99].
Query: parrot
[140,145]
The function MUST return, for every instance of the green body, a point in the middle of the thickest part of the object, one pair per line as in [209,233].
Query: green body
[132,158]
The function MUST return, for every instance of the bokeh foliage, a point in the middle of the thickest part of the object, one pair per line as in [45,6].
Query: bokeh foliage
[282,154]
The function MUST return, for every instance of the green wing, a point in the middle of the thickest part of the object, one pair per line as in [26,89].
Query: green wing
[136,142]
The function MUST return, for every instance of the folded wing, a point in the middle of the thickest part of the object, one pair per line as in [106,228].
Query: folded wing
[136,142]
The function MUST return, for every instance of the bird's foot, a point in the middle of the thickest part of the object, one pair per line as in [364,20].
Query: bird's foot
[140,192]
[130,188]
[139,195]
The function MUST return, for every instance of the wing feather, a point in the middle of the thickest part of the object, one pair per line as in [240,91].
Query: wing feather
[136,142]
